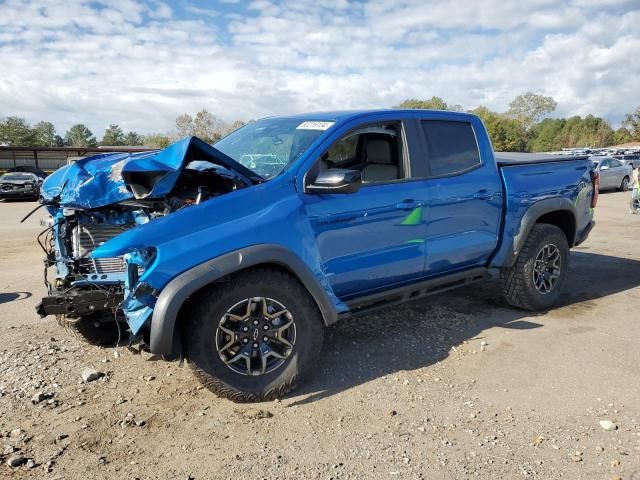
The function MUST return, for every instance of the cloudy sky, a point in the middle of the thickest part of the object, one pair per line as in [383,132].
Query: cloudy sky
[140,63]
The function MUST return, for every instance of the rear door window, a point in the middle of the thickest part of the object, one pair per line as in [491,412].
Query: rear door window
[451,147]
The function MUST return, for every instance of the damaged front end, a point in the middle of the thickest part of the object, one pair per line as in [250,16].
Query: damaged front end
[98,198]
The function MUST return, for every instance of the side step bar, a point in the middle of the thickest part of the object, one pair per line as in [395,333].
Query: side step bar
[415,291]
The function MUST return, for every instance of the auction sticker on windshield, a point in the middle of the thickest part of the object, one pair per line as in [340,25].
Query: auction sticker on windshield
[314,125]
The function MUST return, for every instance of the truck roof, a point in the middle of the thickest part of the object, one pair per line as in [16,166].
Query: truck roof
[342,115]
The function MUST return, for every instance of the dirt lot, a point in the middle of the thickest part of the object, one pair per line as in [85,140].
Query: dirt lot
[455,386]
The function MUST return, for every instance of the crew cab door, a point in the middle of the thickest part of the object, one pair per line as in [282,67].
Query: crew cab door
[372,238]
[463,206]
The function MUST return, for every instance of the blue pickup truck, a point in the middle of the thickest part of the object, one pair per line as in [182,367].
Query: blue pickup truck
[237,255]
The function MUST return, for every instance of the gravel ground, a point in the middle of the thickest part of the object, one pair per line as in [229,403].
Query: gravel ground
[455,386]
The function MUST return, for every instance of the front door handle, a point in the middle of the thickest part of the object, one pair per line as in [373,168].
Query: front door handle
[409,204]
[483,195]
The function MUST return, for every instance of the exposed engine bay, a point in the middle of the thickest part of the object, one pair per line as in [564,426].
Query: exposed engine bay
[126,191]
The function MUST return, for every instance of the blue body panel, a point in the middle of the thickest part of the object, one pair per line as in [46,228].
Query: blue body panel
[353,244]
[567,183]
[97,181]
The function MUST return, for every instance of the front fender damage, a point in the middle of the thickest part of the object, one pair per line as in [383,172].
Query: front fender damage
[97,201]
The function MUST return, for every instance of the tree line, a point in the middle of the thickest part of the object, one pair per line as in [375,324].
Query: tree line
[16,131]
[524,127]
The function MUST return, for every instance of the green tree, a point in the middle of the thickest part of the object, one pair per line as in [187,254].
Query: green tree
[589,131]
[58,141]
[156,140]
[79,135]
[543,136]
[45,134]
[530,107]
[507,134]
[132,139]
[631,123]
[434,103]
[15,131]
[113,136]
[621,135]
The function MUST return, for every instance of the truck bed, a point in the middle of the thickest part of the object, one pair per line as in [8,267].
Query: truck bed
[504,159]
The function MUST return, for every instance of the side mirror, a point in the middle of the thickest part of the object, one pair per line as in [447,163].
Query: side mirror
[336,180]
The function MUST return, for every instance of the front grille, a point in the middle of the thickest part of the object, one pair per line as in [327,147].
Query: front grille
[86,238]
[103,265]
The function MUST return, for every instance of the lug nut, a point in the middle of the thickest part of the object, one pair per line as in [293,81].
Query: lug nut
[255,345]
[245,329]
[265,339]
[245,340]
[255,322]
[265,327]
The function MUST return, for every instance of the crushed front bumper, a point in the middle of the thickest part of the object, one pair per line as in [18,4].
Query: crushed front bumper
[77,302]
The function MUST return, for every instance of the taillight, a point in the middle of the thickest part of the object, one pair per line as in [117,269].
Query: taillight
[595,179]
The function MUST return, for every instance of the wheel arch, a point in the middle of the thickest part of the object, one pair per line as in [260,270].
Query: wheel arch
[565,220]
[553,211]
[174,295]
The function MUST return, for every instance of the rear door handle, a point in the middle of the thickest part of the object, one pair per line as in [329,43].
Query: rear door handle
[483,195]
[408,204]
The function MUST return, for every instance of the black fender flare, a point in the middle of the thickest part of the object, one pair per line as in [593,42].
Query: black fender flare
[507,255]
[178,290]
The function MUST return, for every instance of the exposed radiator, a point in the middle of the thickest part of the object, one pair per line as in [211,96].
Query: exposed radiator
[86,238]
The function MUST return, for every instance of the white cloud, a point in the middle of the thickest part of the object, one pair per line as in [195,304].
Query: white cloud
[141,64]
[207,12]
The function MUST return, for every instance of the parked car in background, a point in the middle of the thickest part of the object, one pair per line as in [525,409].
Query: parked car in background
[613,173]
[41,174]
[629,159]
[20,185]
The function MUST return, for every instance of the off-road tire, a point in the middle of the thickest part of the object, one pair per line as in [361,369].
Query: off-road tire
[624,186]
[211,305]
[517,281]
[94,329]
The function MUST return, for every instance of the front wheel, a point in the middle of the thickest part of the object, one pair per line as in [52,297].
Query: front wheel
[537,278]
[255,337]
[100,329]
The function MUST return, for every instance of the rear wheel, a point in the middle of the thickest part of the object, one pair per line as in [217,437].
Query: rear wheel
[624,186]
[537,278]
[255,337]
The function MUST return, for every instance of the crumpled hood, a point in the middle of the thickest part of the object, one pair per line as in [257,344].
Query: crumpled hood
[109,178]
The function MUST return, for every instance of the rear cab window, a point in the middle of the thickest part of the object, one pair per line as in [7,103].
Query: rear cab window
[451,147]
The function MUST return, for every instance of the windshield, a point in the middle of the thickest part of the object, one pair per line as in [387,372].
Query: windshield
[16,176]
[268,146]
